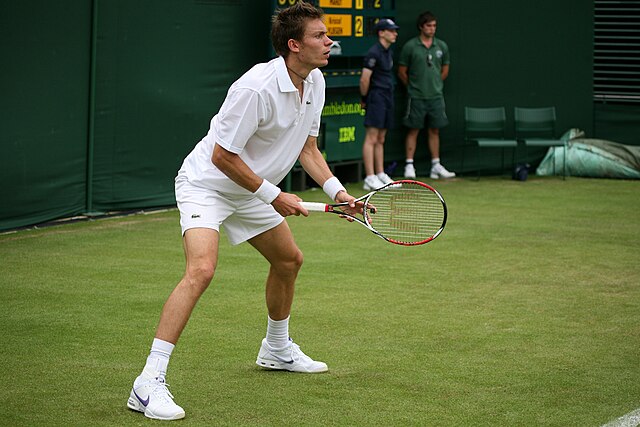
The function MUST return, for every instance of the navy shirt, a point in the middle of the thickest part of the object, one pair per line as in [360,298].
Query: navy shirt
[380,61]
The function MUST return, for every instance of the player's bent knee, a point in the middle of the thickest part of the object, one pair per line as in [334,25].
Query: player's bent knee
[200,275]
[291,264]
[299,259]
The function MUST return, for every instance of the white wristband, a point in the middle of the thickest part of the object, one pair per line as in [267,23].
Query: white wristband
[267,192]
[332,187]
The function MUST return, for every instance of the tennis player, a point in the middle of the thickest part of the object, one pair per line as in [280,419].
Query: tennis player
[269,119]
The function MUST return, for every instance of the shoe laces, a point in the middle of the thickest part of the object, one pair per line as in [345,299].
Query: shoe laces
[298,355]
[293,351]
[372,180]
[160,389]
[385,179]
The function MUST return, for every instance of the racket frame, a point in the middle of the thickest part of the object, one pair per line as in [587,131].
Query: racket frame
[333,208]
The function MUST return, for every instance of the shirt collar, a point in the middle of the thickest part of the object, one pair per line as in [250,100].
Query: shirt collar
[434,44]
[284,81]
[382,48]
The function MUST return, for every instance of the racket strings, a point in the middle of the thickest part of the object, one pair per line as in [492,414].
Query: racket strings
[407,213]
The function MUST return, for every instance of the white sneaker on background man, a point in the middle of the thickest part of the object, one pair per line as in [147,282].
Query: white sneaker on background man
[372,182]
[384,178]
[438,171]
[409,171]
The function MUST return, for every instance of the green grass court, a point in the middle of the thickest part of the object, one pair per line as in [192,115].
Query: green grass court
[524,312]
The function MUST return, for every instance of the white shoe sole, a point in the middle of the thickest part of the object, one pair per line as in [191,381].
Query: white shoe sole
[438,176]
[135,405]
[283,366]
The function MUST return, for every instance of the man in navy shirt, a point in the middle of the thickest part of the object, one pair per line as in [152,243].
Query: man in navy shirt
[376,88]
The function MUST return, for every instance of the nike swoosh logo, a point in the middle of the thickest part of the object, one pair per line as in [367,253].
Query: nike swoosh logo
[280,359]
[144,402]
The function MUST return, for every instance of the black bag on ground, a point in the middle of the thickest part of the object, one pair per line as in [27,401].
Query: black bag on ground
[521,172]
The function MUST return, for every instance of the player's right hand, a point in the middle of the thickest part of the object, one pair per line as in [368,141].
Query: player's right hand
[287,204]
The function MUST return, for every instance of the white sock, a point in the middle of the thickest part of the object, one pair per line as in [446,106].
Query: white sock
[278,333]
[370,176]
[158,359]
[435,161]
[381,175]
[409,161]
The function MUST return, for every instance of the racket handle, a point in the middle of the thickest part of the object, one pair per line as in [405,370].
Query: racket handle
[315,207]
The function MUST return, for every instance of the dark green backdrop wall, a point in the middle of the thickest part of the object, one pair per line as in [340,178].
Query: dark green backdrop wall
[163,69]
[101,100]
[44,84]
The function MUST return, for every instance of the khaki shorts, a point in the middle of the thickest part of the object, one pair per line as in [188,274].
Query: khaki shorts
[241,217]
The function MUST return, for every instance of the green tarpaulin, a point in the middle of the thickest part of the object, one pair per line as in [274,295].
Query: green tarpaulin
[596,158]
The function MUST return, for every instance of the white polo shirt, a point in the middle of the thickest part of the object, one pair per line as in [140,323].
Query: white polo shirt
[262,120]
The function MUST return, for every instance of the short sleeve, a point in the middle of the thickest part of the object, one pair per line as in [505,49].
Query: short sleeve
[315,126]
[370,60]
[445,54]
[240,115]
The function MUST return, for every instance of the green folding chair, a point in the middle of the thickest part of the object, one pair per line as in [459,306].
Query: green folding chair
[536,127]
[484,127]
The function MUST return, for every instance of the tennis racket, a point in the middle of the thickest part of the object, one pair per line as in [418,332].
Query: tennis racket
[403,212]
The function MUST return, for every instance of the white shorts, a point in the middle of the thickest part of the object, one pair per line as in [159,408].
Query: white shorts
[242,217]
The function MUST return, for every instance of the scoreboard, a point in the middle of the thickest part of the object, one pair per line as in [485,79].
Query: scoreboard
[351,22]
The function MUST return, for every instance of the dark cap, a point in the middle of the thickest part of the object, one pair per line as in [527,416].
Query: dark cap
[385,24]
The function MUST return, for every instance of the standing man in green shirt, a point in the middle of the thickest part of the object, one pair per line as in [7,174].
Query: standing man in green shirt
[423,67]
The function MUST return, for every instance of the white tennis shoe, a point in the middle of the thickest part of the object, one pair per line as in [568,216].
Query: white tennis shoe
[409,171]
[291,358]
[438,171]
[384,178]
[151,396]
[372,183]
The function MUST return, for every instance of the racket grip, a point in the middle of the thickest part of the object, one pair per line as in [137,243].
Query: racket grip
[314,206]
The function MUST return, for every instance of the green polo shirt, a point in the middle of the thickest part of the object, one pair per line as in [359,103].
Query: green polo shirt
[425,82]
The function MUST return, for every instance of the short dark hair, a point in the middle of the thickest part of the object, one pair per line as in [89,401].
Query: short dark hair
[290,23]
[423,18]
